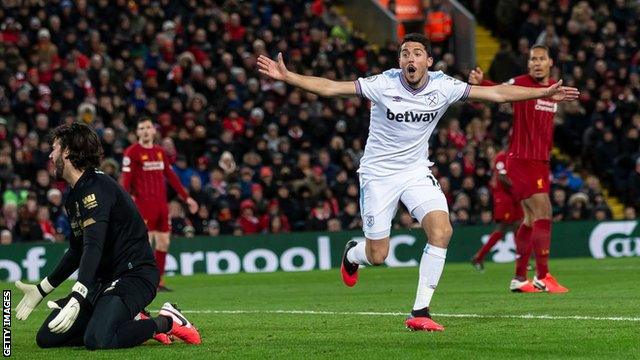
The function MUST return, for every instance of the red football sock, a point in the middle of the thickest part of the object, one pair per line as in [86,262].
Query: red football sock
[541,237]
[161,257]
[493,239]
[524,246]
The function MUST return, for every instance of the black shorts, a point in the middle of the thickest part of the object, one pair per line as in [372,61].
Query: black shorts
[137,288]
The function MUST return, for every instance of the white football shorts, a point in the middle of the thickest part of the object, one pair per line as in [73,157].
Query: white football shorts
[418,190]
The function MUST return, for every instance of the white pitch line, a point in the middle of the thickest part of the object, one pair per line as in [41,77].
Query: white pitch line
[370,313]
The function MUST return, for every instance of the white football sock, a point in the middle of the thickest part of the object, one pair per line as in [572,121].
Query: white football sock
[431,265]
[358,255]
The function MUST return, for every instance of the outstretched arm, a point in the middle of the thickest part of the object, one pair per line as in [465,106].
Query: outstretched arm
[508,93]
[321,86]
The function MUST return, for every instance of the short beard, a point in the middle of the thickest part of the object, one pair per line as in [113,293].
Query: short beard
[59,167]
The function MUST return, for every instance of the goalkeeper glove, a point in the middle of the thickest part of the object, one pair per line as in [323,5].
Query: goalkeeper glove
[69,313]
[33,294]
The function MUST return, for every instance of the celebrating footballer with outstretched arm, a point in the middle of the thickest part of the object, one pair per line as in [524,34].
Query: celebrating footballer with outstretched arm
[117,276]
[528,169]
[407,104]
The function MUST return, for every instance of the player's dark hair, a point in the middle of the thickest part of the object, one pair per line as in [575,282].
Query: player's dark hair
[144,118]
[85,150]
[540,47]
[419,38]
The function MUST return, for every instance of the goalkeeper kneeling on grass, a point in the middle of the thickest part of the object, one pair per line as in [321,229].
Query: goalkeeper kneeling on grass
[109,247]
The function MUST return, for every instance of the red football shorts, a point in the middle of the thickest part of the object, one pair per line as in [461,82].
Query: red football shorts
[155,215]
[528,177]
[506,209]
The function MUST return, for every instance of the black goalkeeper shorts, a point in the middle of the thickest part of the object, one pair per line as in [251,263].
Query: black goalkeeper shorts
[137,288]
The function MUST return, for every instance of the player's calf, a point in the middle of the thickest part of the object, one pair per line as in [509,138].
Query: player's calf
[158,336]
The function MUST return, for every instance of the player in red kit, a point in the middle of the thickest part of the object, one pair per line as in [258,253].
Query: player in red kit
[528,169]
[507,211]
[145,168]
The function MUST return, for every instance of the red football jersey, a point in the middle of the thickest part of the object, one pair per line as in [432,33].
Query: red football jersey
[144,171]
[532,135]
[499,168]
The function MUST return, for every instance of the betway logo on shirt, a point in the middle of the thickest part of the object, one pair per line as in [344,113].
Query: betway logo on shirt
[410,116]
[152,165]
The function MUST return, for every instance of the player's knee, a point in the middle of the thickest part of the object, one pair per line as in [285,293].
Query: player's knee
[45,339]
[378,258]
[91,342]
[97,340]
[441,235]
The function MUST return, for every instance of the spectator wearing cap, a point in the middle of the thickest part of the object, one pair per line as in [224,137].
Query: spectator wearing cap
[247,221]
[267,182]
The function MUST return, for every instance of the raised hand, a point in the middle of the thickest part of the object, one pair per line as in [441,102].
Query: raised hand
[276,70]
[476,76]
[192,204]
[559,93]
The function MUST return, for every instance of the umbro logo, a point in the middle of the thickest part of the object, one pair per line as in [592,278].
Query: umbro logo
[397,99]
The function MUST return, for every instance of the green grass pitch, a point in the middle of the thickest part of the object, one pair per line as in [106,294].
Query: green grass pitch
[312,315]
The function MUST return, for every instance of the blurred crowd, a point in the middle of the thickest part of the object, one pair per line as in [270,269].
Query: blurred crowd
[263,157]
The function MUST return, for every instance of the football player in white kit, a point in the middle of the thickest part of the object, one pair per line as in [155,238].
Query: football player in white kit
[406,105]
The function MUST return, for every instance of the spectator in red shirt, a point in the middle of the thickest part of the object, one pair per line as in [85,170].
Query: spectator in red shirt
[235,123]
[248,222]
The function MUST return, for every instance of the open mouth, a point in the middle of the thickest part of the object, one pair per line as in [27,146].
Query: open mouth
[411,69]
